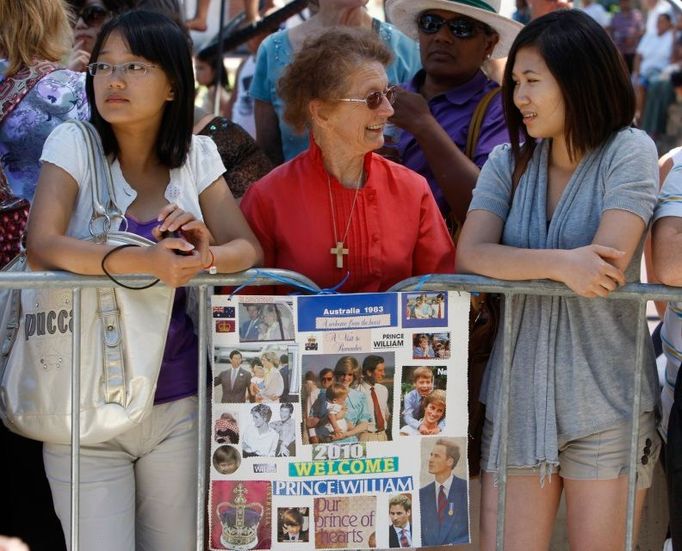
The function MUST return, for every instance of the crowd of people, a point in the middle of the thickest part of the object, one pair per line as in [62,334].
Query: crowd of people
[517,143]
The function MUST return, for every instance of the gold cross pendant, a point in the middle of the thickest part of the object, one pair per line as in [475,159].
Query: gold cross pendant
[339,251]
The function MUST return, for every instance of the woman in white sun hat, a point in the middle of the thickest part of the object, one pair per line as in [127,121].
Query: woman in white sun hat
[436,108]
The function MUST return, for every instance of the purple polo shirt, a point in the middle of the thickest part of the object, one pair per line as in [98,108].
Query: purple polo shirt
[453,111]
[178,375]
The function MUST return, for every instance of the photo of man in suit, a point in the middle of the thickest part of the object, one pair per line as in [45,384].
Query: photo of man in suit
[248,330]
[377,395]
[444,503]
[400,531]
[235,380]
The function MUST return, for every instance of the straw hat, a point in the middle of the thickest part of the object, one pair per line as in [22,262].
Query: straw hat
[404,14]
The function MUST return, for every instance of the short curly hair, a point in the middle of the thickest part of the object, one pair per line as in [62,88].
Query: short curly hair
[263,410]
[320,70]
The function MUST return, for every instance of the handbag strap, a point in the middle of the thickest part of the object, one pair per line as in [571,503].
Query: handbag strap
[473,136]
[103,185]
[477,121]
[13,89]
[113,364]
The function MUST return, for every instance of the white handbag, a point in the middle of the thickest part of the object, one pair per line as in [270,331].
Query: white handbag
[122,341]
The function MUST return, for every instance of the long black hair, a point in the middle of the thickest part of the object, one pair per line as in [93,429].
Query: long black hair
[157,38]
[594,81]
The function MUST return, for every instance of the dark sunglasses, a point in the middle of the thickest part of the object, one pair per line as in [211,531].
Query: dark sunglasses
[430,23]
[374,99]
[93,15]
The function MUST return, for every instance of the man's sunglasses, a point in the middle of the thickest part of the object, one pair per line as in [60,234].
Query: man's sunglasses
[93,15]
[430,23]
[374,99]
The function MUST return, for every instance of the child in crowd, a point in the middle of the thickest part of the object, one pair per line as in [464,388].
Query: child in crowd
[226,459]
[140,88]
[413,403]
[211,74]
[336,410]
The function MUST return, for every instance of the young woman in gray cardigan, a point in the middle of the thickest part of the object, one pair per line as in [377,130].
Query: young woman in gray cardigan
[572,204]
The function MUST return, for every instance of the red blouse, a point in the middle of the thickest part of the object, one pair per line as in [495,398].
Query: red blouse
[396,230]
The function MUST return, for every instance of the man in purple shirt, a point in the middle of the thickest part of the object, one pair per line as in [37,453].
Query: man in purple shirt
[436,107]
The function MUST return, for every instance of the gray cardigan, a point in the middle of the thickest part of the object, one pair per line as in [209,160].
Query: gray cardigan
[572,367]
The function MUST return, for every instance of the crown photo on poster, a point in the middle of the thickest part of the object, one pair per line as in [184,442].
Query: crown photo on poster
[239,520]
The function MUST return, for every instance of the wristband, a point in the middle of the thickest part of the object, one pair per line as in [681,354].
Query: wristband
[117,282]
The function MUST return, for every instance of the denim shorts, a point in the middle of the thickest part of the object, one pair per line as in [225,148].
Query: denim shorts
[603,455]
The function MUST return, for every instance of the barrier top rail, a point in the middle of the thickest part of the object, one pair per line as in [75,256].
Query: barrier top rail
[255,277]
[474,283]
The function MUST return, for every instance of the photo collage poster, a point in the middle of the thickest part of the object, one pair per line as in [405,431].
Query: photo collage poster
[339,421]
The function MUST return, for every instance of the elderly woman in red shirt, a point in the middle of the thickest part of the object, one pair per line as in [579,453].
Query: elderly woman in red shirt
[338,209]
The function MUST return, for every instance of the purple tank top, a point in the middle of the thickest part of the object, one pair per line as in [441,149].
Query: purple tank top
[178,375]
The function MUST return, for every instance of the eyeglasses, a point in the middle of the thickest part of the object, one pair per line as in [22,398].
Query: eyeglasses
[330,378]
[134,69]
[373,100]
[430,23]
[93,15]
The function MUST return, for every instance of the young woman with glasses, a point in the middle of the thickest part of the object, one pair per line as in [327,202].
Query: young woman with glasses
[339,213]
[138,490]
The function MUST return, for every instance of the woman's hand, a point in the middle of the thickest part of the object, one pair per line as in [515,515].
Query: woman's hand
[175,270]
[410,109]
[588,273]
[312,422]
[78,58]
[423,429]
[173,219]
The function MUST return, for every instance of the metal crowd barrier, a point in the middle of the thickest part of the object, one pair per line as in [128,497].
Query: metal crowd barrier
[76,283]
[638,292]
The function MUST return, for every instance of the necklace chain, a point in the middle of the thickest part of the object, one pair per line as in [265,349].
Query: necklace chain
[339,244]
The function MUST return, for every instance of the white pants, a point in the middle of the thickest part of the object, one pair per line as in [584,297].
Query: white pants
[137,491]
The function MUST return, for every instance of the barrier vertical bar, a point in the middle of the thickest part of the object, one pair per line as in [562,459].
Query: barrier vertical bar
[75,416]
[634,436]
[504,426]
[221,65]
[201,420]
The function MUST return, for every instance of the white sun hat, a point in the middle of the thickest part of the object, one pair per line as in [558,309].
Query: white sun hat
[404,14]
